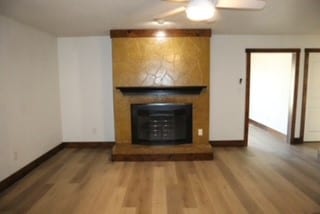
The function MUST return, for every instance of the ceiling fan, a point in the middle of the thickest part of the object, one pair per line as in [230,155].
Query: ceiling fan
[204,10]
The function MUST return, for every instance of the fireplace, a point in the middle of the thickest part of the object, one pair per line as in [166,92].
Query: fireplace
[161,95]
[161,123]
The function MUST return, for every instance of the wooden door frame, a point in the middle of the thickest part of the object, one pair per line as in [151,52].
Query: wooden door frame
[307,52]
[293,101]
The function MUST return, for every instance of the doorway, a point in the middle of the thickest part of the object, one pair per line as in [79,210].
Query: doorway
[271,109]
[310,123]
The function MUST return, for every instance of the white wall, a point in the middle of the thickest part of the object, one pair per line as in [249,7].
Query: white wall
[270,83]
[86,84]
[228,65]
[85,67]
[29,95]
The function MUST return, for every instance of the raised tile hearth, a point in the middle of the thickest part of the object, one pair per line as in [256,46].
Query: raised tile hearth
[127,152]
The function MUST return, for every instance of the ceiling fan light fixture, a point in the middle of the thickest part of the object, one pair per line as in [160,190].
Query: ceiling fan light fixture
[200,10]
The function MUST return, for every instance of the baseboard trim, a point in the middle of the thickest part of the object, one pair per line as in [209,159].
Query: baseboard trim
[88,144]
[7,182]
[227,143]
[274,132]
[311,142]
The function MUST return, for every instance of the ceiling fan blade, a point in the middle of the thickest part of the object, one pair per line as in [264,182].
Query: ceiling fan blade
[170,13]
[212,20]
[241,4]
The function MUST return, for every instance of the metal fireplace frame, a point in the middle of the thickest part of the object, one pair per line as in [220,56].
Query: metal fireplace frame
[170,107]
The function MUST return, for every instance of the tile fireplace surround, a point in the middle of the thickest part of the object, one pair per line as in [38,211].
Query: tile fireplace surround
[150,70]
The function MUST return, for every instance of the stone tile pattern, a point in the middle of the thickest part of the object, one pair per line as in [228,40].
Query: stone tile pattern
[176,61]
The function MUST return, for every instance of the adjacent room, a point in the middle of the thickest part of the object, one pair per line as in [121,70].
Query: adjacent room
[271,92]
[159,106]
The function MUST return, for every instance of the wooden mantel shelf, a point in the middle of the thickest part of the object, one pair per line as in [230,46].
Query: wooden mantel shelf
[136,33]
[163,90]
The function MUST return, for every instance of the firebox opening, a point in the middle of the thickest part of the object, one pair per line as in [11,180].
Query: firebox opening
[161,123]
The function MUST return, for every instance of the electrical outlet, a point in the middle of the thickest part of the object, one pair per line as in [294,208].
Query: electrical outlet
[200,132]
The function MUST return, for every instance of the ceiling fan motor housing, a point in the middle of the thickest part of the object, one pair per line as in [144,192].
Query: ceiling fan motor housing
[200,10]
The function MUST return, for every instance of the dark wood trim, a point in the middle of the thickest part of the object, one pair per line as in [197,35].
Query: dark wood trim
[305,89]
[293,112]
[247,99]
[268,129]
[227,143]
[87,144]
[295,97]
[162,157]
[133,33]
[273,50]
[7,182]
[4,184]
[311,142]
[163,90]
[297,140]
[304,94]
[308,50]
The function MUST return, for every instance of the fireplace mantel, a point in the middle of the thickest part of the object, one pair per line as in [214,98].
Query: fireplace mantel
[163,90]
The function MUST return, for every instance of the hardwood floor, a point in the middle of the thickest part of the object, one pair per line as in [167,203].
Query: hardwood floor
[266,177]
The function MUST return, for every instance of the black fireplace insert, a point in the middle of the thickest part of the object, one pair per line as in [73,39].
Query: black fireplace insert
[161,123]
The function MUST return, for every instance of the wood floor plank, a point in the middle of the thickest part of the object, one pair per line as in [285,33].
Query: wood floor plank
[183,175]
[303,183]
[159,205]
[220,192]
[299,202]
[108,189]
[244,196]
[97,188]
[203,202]
[128,210]
[133,187]
[145,193]
[58,193]
[249,184]
[174,199]
[268,176]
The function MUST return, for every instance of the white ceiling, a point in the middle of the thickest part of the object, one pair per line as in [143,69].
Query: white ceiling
[97,17]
